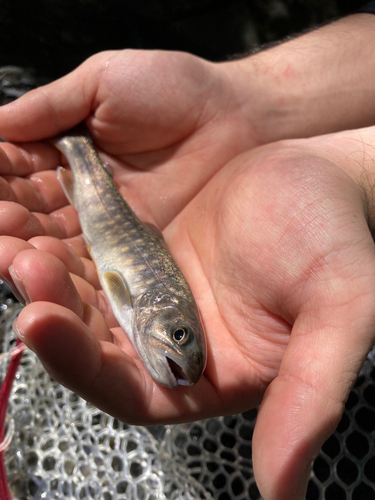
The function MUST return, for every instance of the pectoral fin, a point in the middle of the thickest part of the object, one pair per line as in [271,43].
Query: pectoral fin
[65,178]
[117,290]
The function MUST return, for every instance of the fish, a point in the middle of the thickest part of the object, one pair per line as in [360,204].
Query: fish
[149,295]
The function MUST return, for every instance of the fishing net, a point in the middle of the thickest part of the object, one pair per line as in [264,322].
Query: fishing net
[64,448]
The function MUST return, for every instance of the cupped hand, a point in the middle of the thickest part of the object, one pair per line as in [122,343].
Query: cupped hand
[164,122]
[283,238]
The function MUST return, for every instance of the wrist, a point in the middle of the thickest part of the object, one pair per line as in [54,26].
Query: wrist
[318,83]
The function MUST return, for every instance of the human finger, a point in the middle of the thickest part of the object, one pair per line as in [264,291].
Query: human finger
[77,244]
[303,406]
[16,220]
[28,272]
[40,276]
[10,247]
[6,192]
[74,353]
[39,192]
[55,107]
[27,158]
[330,340]
[82,267]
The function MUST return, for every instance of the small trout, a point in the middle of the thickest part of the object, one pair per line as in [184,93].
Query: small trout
[149,295]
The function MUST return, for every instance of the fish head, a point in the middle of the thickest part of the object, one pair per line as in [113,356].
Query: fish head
[170,338]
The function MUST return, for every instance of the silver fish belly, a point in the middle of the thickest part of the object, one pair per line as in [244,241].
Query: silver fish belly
[149,295]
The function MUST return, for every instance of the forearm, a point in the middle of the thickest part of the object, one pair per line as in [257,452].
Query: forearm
[318,83]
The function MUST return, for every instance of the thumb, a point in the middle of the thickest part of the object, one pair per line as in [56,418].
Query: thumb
[303,405]
[53,108]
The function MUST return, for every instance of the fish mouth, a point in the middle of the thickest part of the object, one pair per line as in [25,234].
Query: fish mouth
[177,372]
[172,369]
[171,373]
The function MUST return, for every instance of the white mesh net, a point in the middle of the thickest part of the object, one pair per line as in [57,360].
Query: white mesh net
[63,447]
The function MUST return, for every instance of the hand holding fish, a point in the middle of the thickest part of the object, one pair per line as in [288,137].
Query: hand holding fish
[274,243]
[280,258]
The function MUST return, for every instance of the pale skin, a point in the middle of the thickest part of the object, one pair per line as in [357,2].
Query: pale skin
[274,238]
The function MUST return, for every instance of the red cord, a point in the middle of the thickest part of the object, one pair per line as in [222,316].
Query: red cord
[4,398]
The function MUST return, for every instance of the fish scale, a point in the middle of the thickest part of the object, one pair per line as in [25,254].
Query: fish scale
[149,295]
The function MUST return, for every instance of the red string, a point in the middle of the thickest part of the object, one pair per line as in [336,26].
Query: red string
[4,398]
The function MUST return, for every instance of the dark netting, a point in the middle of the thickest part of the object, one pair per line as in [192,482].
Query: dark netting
[63,447]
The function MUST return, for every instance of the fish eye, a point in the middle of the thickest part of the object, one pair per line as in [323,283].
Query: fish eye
[181,335]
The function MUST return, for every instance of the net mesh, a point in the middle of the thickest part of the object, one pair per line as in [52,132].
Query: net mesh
[63,447]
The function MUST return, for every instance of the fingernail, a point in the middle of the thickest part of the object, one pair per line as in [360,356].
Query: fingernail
[17,331]
[13,289]
[18,288]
